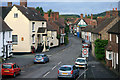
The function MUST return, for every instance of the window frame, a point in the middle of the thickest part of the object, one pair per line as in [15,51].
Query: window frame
[116,38]
[15,42]
[33,26]
[15,15]
[110,37]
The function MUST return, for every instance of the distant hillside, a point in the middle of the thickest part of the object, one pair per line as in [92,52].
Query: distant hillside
[104,13]
[65,16]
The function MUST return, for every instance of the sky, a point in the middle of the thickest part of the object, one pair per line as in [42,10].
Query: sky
[70,7]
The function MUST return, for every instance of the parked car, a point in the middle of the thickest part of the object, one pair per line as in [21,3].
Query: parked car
[11,69]
[41,58]
[81,63]
[68,71]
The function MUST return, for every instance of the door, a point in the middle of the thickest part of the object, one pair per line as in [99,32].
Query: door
[6,51]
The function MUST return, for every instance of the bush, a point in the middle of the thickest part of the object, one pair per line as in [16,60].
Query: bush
[100,48]
[66,40]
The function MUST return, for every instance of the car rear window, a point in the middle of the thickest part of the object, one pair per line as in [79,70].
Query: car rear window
[80,60]
[39,56]
[7,66]
[65,68]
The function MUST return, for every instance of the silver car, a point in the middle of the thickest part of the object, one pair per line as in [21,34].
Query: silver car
[68,71]
[41,58]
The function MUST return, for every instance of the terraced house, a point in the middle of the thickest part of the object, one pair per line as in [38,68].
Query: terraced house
[29,29]
[5,40]
[100,32]
[111,55]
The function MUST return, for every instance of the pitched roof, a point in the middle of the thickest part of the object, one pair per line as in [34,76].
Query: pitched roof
[59,24]
[89,28]
[103,24]
[115,29]
[5,11]
[4,26]
[50,27]
[31,13]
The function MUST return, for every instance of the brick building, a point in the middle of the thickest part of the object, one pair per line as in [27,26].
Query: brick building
[111,55]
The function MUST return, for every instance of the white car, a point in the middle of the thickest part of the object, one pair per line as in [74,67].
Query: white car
[81,63]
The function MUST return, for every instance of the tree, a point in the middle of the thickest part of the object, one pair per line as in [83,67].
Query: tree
[49,12]
[40,10]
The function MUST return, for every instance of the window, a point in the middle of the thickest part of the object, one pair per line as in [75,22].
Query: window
[116,38]
[14,39]
[110,37]
[14,66]
[33,26]
[117,58]
[110,56]
[42,24]
[15,15]
[33,39]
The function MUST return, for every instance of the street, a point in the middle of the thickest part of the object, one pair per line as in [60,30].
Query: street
[65,56]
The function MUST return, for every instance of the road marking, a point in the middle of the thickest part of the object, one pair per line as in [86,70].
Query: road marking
[59,63]
[22,71]
[46,74]
[54,67]
[81,74]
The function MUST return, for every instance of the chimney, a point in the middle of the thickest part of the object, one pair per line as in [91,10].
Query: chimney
[52,16]
[9,3]
[115,12]
[85,15]
[56,16]
[23,3]
[91,16]
[81,16]
[107,14]
[46,16]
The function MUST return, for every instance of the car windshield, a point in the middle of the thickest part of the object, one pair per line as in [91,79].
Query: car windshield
[65,68]
[39,56]
[80,60]
[7,66]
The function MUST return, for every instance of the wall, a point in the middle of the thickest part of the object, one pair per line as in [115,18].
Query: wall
[21,28]
[1,43]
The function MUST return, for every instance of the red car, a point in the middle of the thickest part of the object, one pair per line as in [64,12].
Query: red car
[11,69]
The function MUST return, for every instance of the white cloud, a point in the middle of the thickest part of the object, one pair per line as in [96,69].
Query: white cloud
[62,0]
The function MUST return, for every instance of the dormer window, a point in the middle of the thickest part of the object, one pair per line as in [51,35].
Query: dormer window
[15,15]
[33,26]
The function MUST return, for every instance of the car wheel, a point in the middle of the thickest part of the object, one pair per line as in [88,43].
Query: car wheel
[48,60]
[34,62]
[19,72]
[14,75]
[3,76]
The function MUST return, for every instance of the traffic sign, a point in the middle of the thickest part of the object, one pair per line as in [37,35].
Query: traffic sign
[85,52]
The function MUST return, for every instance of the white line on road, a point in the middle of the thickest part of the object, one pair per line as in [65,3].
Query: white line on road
[81,74]
[46,74]
[54,67]
[59,63]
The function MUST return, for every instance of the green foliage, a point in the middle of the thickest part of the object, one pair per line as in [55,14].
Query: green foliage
[67,30]
[66,40]
[100,48]
[41,10]
[58,36]
[49,12]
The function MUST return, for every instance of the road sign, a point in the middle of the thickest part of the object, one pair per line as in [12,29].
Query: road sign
[85,52]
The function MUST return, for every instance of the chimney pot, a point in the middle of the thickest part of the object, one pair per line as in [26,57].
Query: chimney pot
[116,9]
[91,16]
[23,3]
[81,16]
[113,9]
[9,3]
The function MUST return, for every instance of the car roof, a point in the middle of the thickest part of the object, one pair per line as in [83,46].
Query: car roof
[9,63]
[81,58]
[40,54]
[67,66]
